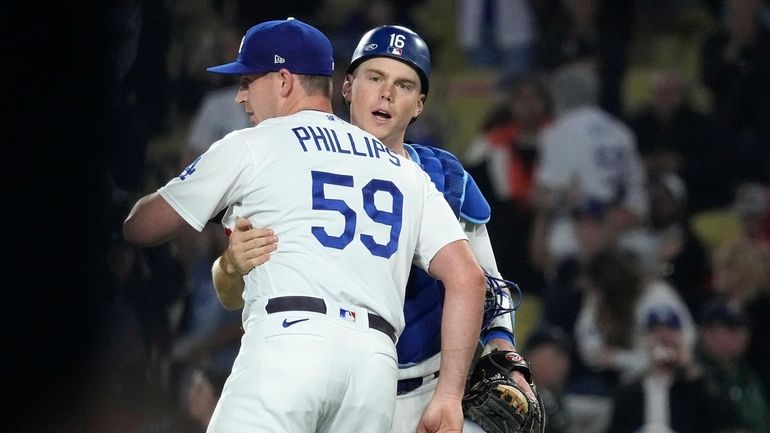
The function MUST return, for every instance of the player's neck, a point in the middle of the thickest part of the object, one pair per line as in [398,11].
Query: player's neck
[399,149]
[318,103]
[397,146]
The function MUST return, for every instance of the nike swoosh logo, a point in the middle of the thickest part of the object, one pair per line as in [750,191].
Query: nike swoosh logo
[286,323]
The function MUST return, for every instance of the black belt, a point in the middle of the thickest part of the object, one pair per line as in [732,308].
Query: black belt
[317,305]
[409,385]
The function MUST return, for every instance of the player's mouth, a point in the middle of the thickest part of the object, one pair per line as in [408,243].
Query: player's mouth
[382,115]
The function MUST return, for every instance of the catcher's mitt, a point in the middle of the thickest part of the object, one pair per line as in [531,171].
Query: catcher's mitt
[498,404]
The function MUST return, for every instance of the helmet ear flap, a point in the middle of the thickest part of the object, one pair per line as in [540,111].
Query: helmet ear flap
[396,42]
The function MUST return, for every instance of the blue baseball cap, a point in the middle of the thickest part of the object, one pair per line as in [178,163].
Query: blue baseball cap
[273,45]
[663,315]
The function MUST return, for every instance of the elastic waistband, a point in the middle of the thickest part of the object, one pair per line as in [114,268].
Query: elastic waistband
[409,385]
[317,305]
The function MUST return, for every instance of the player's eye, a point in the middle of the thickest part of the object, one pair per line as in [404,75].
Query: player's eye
[245,81]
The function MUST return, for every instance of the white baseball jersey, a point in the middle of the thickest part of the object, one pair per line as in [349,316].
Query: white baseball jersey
[590,150]
[588,154]
[351,214]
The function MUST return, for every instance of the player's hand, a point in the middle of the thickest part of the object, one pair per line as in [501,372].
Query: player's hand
[516,376]
[441,416]
[249,247]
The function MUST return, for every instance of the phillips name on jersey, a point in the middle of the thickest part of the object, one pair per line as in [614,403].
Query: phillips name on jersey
[326,140]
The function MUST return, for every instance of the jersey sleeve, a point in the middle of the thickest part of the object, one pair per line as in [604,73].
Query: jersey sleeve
[211,182]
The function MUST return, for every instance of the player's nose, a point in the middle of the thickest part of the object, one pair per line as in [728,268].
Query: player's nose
[241,95]
[386,93]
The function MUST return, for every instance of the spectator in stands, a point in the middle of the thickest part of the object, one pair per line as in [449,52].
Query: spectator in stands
[674,137]
[736,61]
[501,160]
[497,33]
[724,337]
[672,395]
[609,332]
[586,154]
[216,115]
[739,278]
[548,350]
[563,291]
[682,259]
[752,207]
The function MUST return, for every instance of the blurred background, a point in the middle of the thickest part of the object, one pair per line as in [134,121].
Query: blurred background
[629,298]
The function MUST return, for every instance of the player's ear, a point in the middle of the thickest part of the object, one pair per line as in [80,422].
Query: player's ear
[346,87]
[286,80]
[420,106]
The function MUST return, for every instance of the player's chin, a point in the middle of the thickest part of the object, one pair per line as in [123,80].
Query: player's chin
[378,129]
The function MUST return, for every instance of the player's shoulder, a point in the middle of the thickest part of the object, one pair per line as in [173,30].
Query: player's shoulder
[235,138]
[448,174]
[419,151]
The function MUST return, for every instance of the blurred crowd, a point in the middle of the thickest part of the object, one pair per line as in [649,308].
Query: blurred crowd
[643,234]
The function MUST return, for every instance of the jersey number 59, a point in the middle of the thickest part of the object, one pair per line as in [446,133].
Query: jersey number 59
[391,218]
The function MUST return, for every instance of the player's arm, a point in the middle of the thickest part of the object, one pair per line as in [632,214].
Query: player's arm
[247,248]
[457,268]
[474,214]
[499,333]
[189,199]
[151,222]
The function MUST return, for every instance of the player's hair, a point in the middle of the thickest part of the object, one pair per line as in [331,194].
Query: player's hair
[316,85]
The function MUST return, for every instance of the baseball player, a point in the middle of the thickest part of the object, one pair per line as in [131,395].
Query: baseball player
[388,64]
[321,317]
[587,158]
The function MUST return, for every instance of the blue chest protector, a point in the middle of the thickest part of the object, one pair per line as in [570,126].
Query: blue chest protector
[421,337]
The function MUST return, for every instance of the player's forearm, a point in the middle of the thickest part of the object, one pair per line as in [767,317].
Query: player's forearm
[464,284]
[502,326]
[228,283]
[460,325]
[499,333]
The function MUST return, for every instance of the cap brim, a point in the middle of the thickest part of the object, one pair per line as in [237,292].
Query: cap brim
[234,68]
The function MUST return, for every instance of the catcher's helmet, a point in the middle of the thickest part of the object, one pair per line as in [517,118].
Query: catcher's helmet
[396,42]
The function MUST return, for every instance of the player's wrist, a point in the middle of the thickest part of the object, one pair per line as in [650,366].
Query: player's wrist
[499,337]
[228,268]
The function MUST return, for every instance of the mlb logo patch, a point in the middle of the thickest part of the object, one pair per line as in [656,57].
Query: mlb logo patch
[348,315]
[395,50]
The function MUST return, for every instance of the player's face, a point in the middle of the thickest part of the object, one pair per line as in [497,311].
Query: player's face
[255,95]
[384,96]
